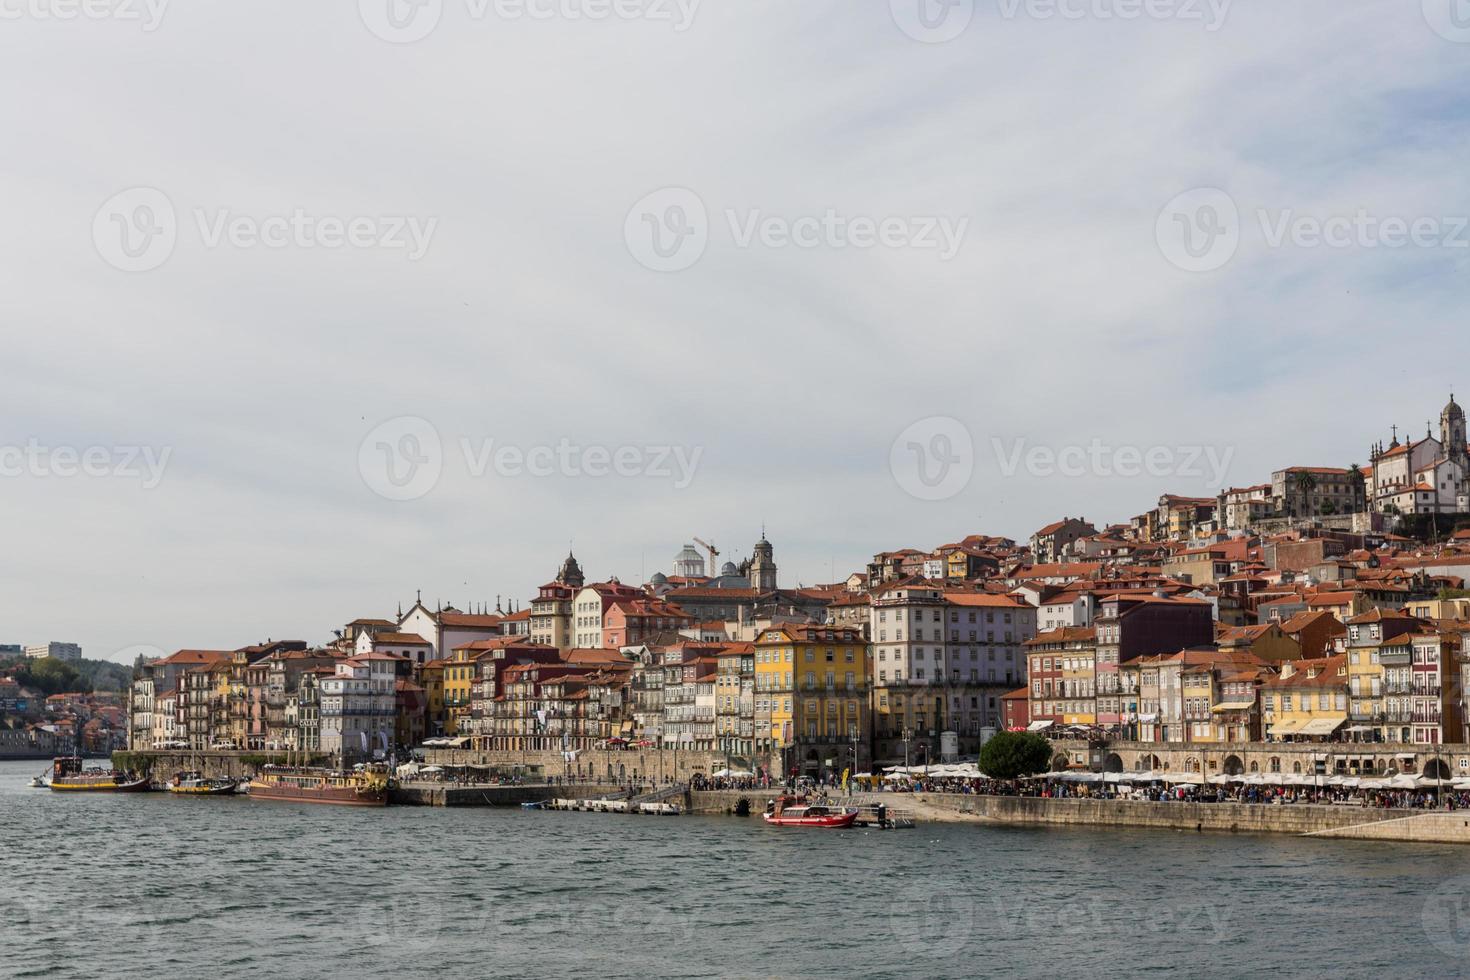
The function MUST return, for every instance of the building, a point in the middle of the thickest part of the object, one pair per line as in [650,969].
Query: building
[1430,476]
[1318,491]
[1437,710]
[359,707]
[1309,701]
[819,675]
[763,566]
[57,651]
[1055,540]
[735,700]
[1063,677]
[1142,625]
[1379,654]
[551,610]
[447,627]
[589,607]
[409,646]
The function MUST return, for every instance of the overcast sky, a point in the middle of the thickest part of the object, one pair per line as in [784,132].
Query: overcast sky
[279,251]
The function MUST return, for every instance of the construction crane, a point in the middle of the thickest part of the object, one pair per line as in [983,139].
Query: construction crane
[714,569]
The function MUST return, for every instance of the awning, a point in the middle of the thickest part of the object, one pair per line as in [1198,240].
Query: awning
[1037,726]
[1233,706]
[1322,726]
[1285,728]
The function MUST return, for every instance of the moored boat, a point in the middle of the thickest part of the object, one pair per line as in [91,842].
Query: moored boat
[68,776]
[295,784]
[194,783]
[790,811]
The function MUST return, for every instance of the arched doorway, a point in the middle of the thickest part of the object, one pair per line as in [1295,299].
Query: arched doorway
[1233,765]
[1436,769]
[1060,762]
[1113,763]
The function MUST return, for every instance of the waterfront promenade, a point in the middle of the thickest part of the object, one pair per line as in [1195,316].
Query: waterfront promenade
[1301,819]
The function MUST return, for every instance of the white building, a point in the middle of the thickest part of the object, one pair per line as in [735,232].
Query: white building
[410,646]
[358,707]
[941,662]
[58,651]
[1430,476]
[449,629]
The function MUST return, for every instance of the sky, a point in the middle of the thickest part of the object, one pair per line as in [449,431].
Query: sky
[308,307]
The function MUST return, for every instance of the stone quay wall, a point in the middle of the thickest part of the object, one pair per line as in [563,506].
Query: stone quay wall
[450,794]
[1230,817]
[1121,814]
[612,765]
[234,765]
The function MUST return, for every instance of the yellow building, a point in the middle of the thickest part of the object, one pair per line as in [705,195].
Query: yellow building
[1378,670]
[459,678]
[812,680]
[1308,702]
[431,679]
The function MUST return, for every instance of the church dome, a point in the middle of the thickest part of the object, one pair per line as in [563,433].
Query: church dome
[729,569]
[659,578]
[1453,410]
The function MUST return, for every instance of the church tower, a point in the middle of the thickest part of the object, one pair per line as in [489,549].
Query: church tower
[570,573]
[1452,432]
[763,566]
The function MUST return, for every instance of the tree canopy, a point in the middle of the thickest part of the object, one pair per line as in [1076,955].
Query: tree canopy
[1011,754]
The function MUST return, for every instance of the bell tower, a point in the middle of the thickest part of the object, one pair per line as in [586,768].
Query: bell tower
[763,566]
[1452,432]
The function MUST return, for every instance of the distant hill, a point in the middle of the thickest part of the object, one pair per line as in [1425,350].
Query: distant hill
[52,676]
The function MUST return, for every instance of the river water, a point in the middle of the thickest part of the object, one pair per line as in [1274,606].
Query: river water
[161,886]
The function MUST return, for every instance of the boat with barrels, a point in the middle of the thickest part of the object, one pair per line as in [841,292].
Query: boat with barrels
[68,776]
[301,784]
[793,811]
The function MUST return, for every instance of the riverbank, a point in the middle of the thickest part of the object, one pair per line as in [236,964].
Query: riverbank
[455,794]
[1345,822]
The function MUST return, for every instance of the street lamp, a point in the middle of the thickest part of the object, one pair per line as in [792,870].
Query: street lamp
[852,733]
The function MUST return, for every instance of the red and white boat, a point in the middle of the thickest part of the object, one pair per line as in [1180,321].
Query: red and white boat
[788,811]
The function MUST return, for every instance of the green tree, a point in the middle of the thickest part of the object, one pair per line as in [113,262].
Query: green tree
[1011,754]
[51,676]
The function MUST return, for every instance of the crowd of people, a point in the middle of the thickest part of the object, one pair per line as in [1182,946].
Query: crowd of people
[1424,798]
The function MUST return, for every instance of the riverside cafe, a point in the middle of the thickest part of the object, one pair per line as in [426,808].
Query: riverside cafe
[1138,784]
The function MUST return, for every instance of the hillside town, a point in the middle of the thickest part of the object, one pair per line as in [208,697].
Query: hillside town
[1324,605]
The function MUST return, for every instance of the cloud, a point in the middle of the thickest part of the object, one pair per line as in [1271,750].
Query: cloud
[529,322]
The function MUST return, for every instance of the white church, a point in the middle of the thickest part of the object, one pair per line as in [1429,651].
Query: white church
[1430,476]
